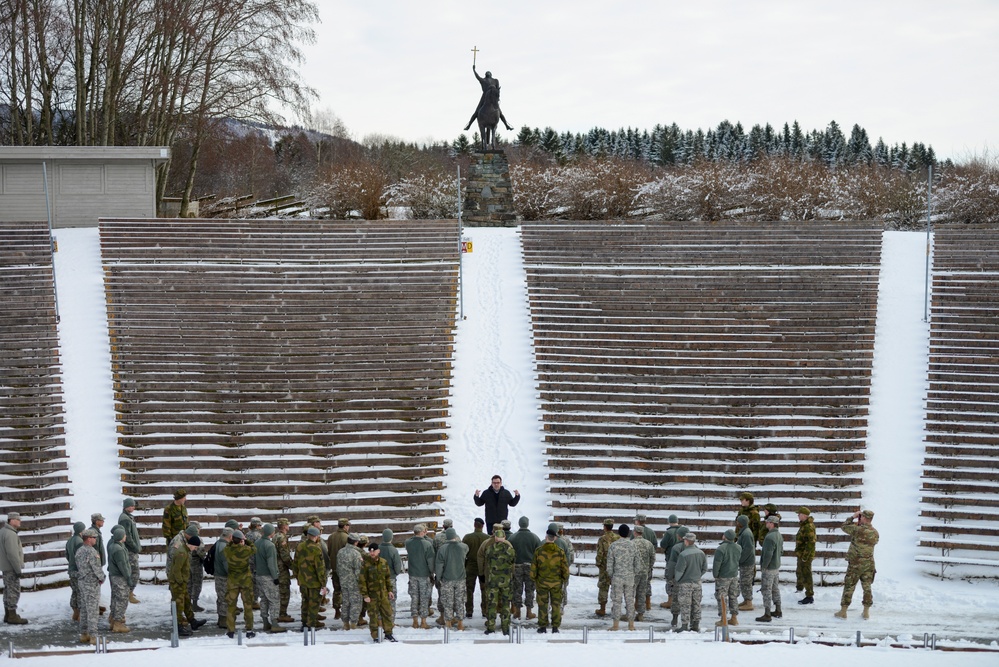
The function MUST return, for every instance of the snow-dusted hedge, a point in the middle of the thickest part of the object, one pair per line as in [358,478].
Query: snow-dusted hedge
[349,193]
[427,196]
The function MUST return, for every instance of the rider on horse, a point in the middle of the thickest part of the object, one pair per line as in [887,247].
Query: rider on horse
[487,82]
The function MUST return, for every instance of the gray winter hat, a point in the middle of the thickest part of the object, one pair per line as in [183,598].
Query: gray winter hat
[387,535]
[448,523]
[451,534]
[742,520]
[117,533]
[419,528]
[96,517]
[774,519]
[524,522]
[256,522]
[312,531]
[552,529]
[227,532]
[79,527]
[673,518]
[353,538]
[681,531]
[729,535]
[191,530]
[268,529]
[238,535]
[690,537]
[232,523]
[128,502]
[11,516]
[640,518]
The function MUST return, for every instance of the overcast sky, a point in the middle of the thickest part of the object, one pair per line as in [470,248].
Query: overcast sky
[905,70]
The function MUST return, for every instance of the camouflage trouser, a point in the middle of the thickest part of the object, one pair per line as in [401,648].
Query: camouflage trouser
[771,589]
[499,603]
[337,591]
[197,579]
[310,607]
[670,585]
[350,602]
[549,597]
[119,598]
[270,601]
[453,599]
[648,582]
[470,580]
[284,592]
[395,596]
[11,590]
[863,572]
[90,601]
[221,589]
[419,596]
[803,576]
[523,586]
[687,603]
[244,593]
[641,587]
[74,590]
[728,589]
[380,611]
[603,585]
[565,594]
[623,588]
[179,594]
[133,579]
[747,574]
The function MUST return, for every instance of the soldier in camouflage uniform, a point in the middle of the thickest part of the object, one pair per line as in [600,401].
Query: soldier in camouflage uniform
[175,516]
[549,572]
[348,566]
[375,586]
[667,544]
[439,539]
[178,567]
[671,558]
[603,580]
[748,509]
[524,543]
[90,577]
[501,558]
[563,543]
[286,568]
[859,560]
[804,551]
[642,530]
[252,535]
[311,572]
[770,555]
[132,545]
[449,567]
[725,569]
[336,541]
[120,573]
[222,577]
[238,555]
[265,581]
[646,551]
[420,554]
[747,561]
[197,580]
[622,563]
[690,567]
[72,544]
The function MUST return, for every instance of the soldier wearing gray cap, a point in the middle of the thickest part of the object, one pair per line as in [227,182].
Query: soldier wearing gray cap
[90,577]
[222,577]
[133,546]
[348,566]
[11,565]
[691,564]
[772,550]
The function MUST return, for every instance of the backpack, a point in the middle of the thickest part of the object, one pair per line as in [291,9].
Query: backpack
[209,560]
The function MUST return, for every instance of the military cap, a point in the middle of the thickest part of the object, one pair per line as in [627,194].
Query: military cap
[353,538]
[362,540]
[255,521]
[283,522]
[552,529]
[191,530]
[729,535]
[681,531]
[774,519]
[268,530]
[238,535]
[690,537]
[312,531]
[342,522]
[179,493]
[312,519]
[770,508]
[499,533]
[479,521]
[742,520]
[448,523]
[232,523]
[640,518]
[609,523]
[97,517]
[506,524]
[419,528]
[90,532]
[746,495]
[868,514]
[524,522]
[13,516]
[373,547]
[128,502]
[673,519]
[195,524]
[227,532]
[497,526]
[804,510]
[623,530]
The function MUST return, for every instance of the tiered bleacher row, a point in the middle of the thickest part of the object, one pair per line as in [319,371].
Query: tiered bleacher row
[682,363]
[34,478]
[282,368]
[959,516]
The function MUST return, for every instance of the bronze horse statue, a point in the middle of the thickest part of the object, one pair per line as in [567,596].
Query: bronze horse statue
[489,116]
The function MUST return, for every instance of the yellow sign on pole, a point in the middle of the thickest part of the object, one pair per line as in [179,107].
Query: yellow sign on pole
[466,246]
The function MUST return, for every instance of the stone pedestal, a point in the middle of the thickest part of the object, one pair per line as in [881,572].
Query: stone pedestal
[489,192]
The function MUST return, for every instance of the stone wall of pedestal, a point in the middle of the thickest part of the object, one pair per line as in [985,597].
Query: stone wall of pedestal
[489,192]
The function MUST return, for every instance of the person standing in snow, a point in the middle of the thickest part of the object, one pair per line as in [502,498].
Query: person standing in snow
[133,546]
[691,565]
[773,549]
[497,501]
[473,574]
[11,566]
[860,560]
[804,551]
[525,543]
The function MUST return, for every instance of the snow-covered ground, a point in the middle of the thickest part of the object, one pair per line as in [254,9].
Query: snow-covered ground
[494,429]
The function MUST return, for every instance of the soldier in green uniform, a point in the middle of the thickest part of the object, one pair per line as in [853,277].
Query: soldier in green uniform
[859,560]
[603,581]
[804,550]
[175,516]
[179,574]
[667,544]
[750,510]
[550,572]
[286,568]
[238,555]
[474,540]
[501,558]
[311,572]
[375,585]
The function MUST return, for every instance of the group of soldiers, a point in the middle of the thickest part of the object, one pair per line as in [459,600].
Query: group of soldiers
[625,566]
[256,568]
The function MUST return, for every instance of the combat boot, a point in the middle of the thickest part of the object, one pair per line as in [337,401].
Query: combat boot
[221,622]
[120,627]
[86,639]
[461,625]
[675,620]
[266,626]
[631,625]
[416,622]
[76,615]
[720,622]
[276,629]
[668,603]
[777,613]
[285,618]
[648,602]
[530,613]
[766,618]
[695,627]
[515,612]
[806,600]
[423,624]
[184,630]
[734,620]
[867,612]
[639,617]
[842,612]
[101,610]
[337,614]
[346,625]
[360,623]
[616,626]
[681,628]
[14,619]
[746,605]
[440,620]
[132,599]
[603,609]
